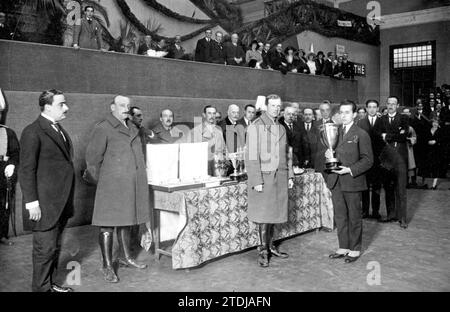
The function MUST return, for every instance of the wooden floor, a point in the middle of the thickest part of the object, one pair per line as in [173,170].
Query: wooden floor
[416,259]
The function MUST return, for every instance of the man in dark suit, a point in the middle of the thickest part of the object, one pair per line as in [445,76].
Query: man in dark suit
[5,31]
[394,131]
[176,51]
[46,176]
[354,151]
[249,115]
[203,48]
[311,134]
[217,55]
[265,56]
[233,133]
[87,31]
[277,60]
[349,67]
[146,45]
[328,66]
[234,55]
[295,137]
[320,63]
[371,124]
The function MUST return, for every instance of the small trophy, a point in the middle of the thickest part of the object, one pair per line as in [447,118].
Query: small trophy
[329,135]
[234,161]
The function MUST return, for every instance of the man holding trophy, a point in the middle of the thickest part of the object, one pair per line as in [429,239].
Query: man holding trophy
[347,166]
[269,168]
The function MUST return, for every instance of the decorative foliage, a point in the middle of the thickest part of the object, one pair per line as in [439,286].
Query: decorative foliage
[143,29]
[226,15]
[167,12]
[309,15]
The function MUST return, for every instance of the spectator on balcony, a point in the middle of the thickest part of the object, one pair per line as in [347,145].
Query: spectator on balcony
[234,55]
[338,71]
[254,54]
[203,48]
[328,66]
[217,54]
[277,60]
[302,55]
[176,51]
[302,66]
[292,61]
[87,31]
[312,63]
[320,63]
[349,67]
[265,56]
[148,44]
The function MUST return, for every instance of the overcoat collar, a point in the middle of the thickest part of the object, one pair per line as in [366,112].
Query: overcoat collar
[268,123]
[131,131]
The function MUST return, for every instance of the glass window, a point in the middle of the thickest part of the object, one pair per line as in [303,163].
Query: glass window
[413,56]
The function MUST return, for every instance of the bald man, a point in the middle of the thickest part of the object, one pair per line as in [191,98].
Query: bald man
[115,162]
[234,54]
[233,133]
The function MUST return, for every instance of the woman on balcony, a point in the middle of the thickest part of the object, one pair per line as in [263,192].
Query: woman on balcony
[312,63]
[253,54]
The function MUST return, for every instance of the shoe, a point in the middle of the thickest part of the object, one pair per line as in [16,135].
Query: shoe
[403,224]
[337,255]
[5,241]
[434,188]
[132,263]
[123,235]
[109,275]
[263,258]
[57,288]
[349,259]
[277,253]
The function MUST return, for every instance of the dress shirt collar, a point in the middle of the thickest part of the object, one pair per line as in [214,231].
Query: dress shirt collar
[392,116]
[48,118]
[347,127]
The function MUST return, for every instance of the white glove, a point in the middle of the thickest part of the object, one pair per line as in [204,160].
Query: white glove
[9,171]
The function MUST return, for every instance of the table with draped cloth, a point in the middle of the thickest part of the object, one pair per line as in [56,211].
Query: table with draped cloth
[207,223]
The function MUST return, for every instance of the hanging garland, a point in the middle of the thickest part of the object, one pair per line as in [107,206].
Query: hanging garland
[167,12]
[228,16]
[141,27]
[308,15]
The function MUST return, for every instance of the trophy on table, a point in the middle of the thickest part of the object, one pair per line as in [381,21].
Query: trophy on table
[329,135]
[237,160]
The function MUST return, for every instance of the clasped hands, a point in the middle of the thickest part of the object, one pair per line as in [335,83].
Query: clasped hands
[259,188]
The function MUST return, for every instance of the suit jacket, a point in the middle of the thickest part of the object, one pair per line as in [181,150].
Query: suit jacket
[375,135]
[203,50]
[327,68]
[311,138]
[275,59]
[217,53]
[88,35]
[320,64]
[234,136]
[175,53]
[396,133]
[354,150]
[144,47]
[234,51]
[46,173]
[298,141]
[165,136]
[349,70]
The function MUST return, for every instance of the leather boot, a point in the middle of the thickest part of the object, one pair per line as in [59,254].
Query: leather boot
[105,240]
[123,236]
[263,257]
[273,249]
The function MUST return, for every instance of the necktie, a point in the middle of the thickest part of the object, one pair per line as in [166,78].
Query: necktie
[390,119]
[58,129]
[345,130]
[290,126]
[308,127]
[372,121]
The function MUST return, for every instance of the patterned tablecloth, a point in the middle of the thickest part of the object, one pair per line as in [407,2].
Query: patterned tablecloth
[217,224]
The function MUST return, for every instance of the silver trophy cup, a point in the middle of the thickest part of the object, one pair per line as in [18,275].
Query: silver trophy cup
[329,135]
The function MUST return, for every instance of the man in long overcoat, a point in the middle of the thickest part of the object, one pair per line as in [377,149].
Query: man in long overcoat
[269,168]
[115,162]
